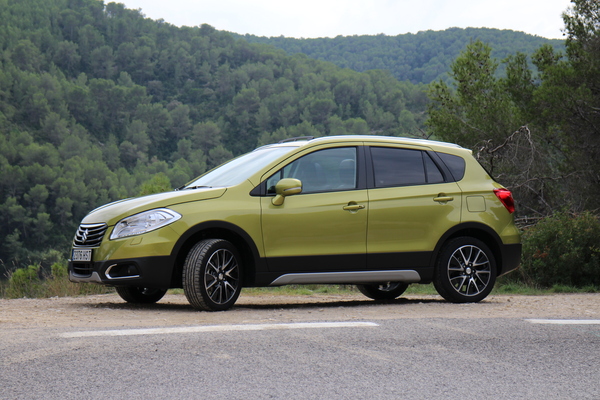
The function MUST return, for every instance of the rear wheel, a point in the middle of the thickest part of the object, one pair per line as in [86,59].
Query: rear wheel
[465,271]
[212,275]
[383,291]
[132,294]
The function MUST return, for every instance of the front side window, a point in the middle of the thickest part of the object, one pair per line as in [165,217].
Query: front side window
[321,171]
[403,167]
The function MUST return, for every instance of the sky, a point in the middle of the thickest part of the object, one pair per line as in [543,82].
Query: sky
[330,18]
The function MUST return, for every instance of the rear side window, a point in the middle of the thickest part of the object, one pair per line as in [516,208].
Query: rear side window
[402,167]
[455,164]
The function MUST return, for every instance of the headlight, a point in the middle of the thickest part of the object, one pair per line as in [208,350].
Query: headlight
[144,222]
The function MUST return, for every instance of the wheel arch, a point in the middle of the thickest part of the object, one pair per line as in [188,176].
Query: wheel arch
[217,230]
[475,230]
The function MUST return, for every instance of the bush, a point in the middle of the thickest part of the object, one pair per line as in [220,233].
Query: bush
[562,250]
[24,282]
[32,282]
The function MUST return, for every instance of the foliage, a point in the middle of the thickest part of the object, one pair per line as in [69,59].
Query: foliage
[488,115]
[562,249]
[24,282]
[99,103]
[537,132]
[420,58]
[157,184]
[33,281]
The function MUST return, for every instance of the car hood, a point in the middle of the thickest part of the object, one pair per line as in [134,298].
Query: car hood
[113,212]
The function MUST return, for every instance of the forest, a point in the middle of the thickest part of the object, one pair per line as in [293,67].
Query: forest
[421,57]
[100,103]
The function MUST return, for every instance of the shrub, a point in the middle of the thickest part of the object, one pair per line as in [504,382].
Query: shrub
[562,250]
[24,282]
[32,282]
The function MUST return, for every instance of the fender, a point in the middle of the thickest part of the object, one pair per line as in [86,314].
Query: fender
[474,229]
[223,230]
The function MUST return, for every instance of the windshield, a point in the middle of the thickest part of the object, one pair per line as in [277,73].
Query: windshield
[239,169]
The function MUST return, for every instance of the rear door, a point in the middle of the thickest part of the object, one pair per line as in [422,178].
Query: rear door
[411,204]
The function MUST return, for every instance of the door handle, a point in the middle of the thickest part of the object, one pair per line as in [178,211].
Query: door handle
[442,198]
[353,207]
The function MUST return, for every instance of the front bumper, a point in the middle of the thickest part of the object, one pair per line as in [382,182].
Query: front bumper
[150,272]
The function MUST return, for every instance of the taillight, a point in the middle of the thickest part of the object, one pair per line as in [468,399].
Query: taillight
[506,198]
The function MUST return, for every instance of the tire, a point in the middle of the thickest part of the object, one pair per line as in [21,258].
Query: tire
[465,271]
[140,295]
[383,291]
[212,275]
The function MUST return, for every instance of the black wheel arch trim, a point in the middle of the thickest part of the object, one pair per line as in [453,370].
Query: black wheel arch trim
[479,231]
[216,229]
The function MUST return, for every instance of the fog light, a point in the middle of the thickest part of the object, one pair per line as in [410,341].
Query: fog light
[122,271]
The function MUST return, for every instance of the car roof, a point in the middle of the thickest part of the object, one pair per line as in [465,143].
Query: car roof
[303,141]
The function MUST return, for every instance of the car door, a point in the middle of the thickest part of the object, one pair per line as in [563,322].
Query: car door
[323,228]
[411,205]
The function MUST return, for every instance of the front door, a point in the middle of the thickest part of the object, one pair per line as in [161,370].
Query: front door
[322,229]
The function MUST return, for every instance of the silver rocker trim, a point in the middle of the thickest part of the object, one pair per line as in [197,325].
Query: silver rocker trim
[360,277]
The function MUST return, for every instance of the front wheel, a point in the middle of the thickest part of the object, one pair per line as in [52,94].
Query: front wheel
[465,271]
[140,295]
[212,275]
[383,291]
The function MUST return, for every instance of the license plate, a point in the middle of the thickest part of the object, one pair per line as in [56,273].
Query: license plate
[82,255]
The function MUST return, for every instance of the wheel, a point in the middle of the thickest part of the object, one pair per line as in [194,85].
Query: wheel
[132,294]
[465,271]
[384,291]
[212,275]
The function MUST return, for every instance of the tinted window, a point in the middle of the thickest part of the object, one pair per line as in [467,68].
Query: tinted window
[397,167]
[434,175]
[321,171]
[455,164]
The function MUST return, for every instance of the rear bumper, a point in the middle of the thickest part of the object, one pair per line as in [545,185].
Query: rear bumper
[511,258]
[150,272]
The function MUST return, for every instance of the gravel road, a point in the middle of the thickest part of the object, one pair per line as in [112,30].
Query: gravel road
[102,311]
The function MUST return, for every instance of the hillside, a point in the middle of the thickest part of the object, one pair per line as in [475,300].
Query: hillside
[419,58]
[99,103]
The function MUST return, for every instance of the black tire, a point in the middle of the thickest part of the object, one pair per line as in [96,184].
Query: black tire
[383,291]
[212,275]
[465,271]
[140,295]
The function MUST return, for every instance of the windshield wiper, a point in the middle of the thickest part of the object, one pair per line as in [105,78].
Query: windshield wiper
[192,187]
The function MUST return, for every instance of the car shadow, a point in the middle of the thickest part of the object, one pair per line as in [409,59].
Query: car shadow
[307,305]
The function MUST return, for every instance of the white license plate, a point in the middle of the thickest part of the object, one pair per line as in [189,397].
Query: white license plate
[82,255]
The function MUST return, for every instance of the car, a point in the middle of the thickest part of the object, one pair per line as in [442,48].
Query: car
[373,211]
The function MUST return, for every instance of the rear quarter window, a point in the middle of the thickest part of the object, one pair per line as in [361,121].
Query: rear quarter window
[455,164]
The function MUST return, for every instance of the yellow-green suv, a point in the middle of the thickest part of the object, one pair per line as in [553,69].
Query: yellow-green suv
[378,212]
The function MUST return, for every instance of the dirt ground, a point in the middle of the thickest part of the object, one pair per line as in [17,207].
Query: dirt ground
[109,311]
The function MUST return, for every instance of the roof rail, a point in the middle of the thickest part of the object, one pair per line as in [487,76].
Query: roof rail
[295,139]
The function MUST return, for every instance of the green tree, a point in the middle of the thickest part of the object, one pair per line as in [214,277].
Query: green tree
[491,116]
[27,56]
[538,135]
[66,57]
[569,98]
[157,184]
[103,62]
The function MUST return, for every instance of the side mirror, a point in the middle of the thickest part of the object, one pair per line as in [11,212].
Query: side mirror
[286,187]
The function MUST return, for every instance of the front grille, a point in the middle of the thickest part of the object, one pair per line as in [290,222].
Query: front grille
[89,235]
